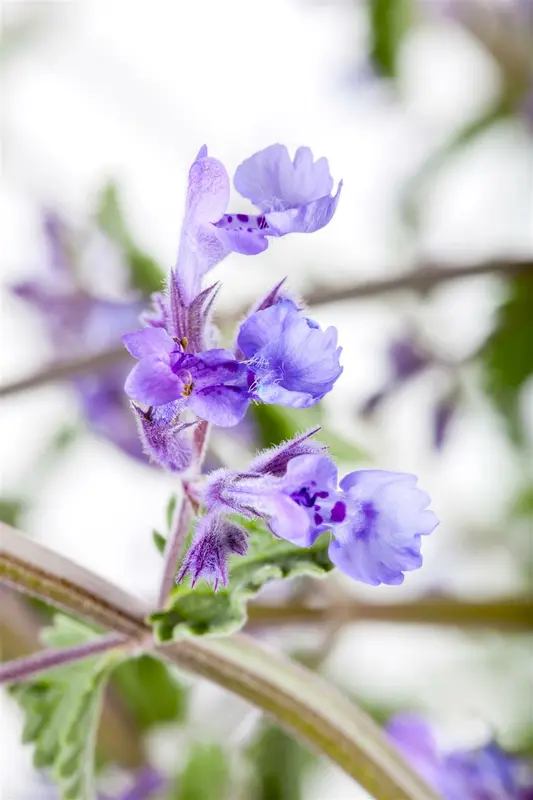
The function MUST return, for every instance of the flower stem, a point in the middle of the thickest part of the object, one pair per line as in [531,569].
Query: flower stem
[22,668]
[173,550]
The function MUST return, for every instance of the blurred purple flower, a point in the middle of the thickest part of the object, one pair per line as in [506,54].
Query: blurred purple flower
[406,359]
[80,324]
[443,414]
[485,773]
[293,361]
[376,518]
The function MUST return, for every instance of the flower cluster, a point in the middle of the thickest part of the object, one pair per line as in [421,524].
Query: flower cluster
[485,773]
[184,381]
[281,355]
[375,518]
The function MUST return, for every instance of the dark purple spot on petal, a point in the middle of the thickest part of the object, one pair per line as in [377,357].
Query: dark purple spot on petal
[338,512]
[242,217]
[322,494]
[230,219]
[318,519]
[317,508]
[313,483]
[249,230]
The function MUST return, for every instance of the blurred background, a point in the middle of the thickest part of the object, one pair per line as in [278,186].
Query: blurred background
[425,109]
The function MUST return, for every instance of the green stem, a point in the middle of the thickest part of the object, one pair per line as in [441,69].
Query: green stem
[301,701]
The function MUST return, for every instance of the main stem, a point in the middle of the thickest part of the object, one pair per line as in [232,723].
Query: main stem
[301,701]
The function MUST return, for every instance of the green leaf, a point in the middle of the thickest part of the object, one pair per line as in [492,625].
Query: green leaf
[508,354]
[277,423]
[159,541]
[201,610]
[150,691]
[206,775]
[145,274]
[171,508]
[278,761]
[12,509]
[62,710]
[390,21]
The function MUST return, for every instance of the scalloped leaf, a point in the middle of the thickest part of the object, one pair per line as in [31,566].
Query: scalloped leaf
[62,710]
[202,611]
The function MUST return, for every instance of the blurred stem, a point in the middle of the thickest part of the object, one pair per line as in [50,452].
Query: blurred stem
[507,614]
[300,700]
[422,279]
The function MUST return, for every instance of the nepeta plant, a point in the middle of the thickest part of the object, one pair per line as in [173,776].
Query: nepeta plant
[375,518]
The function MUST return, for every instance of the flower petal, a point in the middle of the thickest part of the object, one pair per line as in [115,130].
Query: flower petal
[222,405]
[306,218]
[151,381]
[274,183]
[149,342]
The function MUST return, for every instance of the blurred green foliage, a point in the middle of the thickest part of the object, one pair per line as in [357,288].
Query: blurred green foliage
[145,274]
[507,356]
[390,21]
[151,692]
[278,762]
[206,775]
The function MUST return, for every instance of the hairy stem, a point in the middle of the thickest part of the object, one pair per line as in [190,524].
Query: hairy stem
[22,668]
[173,549]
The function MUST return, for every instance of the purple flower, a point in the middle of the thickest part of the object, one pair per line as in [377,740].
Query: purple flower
[294,362]
[213,384]
[485,773]
[376,518]
[380,537]
[292,196]
[215,540]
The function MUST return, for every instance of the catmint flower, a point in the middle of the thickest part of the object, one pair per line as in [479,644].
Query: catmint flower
[293,361]
[380,537]
[215,540]
[213,384]
[375,518]
[293,196]
[484,773]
